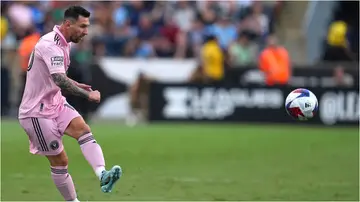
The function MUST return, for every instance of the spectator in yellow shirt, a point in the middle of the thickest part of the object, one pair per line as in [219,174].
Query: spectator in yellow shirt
[4,27]
[337,34]
[212,60]
[337,48]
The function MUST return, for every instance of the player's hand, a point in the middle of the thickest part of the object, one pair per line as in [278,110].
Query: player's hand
[95,96]
[84,86]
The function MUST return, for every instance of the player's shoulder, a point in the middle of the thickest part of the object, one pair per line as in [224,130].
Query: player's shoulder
[49,40]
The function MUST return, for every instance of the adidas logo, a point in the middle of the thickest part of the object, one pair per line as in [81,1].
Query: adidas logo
[307,105]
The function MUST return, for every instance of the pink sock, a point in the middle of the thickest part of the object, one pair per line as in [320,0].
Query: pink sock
[92,153]
[63,182]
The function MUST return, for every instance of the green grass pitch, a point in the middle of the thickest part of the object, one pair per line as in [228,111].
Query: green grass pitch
[195,162]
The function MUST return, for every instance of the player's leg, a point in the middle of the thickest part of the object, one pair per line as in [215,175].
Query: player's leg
[75,126]
[62,179]
[45,140]
[92,151]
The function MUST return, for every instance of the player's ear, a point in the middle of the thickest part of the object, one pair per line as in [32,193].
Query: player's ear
[68,23]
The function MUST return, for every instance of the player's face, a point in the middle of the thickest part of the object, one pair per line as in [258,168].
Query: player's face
[79,29]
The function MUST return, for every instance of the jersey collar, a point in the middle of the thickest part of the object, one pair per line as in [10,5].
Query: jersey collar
[62,38]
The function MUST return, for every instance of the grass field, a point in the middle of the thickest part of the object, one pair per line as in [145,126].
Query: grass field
[196,162]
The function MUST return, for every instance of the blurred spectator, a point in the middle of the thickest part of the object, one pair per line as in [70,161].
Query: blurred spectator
[26,47]
[120,14]
[257,23]
[341,78]
[224,30]
[146,31]
[274,62]
[4,27]
[20,16]
[184,15]
[136,9]
[342,43]
[207,16]
[170,30]
[164,48]
[242,52]
[195,37]
[212,60]
[337,47]
[260,18]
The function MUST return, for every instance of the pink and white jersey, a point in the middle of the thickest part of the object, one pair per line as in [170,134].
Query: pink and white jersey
[42,97]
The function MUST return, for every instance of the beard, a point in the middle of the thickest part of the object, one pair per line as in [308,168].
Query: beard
[76,39]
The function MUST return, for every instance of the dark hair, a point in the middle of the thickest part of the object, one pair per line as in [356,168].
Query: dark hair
[74,12]
[209,37]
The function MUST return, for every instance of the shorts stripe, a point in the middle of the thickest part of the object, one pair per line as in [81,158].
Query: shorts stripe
[87,139]
[39,134]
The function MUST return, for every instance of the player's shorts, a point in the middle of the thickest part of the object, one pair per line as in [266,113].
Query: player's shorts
[45,135]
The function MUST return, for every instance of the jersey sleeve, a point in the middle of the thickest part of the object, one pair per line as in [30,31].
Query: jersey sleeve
[54,59]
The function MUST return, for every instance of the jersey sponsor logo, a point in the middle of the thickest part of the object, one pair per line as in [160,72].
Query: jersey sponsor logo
[57,61]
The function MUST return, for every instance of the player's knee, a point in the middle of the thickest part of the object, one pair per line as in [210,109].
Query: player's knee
[84,129]
[80,130]
[59,160]
[77,128]
[63,161]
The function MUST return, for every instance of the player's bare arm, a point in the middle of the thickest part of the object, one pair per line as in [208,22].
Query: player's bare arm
[73,81]
[81,85]
[69,85]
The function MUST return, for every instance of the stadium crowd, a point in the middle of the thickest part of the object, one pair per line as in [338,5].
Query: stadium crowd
[149,28]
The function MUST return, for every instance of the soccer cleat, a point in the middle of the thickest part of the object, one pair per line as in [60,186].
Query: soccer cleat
[109,178]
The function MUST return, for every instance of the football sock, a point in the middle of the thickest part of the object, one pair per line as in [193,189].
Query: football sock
[64,182]
[92,153]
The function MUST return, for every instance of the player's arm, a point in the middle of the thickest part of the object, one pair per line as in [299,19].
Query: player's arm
[81,85]
[68,85]
[54,58]
[73,81]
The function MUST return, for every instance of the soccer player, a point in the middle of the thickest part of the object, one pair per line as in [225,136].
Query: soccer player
[45,114]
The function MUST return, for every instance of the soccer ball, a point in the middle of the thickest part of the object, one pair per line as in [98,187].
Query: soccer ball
[301,104]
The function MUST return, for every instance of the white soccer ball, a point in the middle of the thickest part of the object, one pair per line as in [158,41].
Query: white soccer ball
[301,104]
